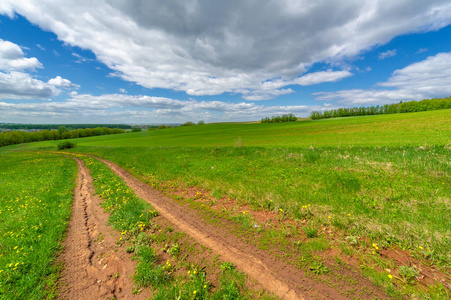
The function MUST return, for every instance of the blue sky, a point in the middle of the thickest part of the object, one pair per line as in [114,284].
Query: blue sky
[154,61]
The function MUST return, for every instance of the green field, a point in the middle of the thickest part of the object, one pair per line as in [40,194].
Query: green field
[36,193]
[382,180]
[414,129]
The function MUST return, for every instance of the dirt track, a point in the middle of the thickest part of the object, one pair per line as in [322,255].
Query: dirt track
[284,280]
[93,269]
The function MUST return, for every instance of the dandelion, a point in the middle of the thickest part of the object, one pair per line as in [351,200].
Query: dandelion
[421,248]
[194,292]
[390,276]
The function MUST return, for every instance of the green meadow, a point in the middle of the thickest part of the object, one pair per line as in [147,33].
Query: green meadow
[409,129]
[382,179]
[36,193]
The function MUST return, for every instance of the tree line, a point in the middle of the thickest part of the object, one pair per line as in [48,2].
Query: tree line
[56,126]
[395,108]
[280,119]
[18,137]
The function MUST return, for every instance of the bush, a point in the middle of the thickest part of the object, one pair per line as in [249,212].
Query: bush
[66,145]
[188,124]
[136,129]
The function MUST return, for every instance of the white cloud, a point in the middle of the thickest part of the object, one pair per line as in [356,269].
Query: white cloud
[425,79]
[387,54]
[18,85]
[12,58]
[122,91]
[62,83]
[421,50]
[208,47]
[143,109]
[15,83]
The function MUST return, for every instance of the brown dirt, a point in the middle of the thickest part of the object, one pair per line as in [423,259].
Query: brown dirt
[94,269]
[276,276]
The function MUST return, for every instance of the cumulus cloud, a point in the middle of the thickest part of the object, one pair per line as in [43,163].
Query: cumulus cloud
[387,54]
[425,79]
[12,58]
[206,47]
[18,85]
[145,109]
[62,83]
[15,83]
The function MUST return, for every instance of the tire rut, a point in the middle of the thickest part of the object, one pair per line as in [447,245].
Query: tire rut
[285,281]
[93,268]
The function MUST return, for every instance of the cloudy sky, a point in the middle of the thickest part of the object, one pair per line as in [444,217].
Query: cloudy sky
[155,61]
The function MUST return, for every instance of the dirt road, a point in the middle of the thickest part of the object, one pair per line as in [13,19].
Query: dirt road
[94,269]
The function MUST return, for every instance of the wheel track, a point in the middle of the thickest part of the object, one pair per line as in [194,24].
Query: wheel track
[93,268]
[257,265]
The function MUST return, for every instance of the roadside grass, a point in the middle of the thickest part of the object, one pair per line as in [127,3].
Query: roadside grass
[381,180]
[36,192]
[160,257]
[399,196]
[395,197]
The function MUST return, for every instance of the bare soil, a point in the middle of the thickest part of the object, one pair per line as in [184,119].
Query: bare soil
[274,275]
[94,268]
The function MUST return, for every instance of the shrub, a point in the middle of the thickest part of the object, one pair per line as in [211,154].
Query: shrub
[136,129]
[188,124]
[66,145]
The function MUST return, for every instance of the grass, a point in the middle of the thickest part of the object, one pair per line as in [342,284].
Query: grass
[399,195]
[35,206]
[133,217]
[413,129]
[381,180]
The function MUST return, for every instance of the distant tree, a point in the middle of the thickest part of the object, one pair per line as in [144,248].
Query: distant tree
[136,129]
[62,129]
[280,119]
[401,107]
[201,123]
[188,124]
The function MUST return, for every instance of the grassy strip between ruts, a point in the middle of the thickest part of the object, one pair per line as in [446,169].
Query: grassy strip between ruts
[133,217]
[36,192]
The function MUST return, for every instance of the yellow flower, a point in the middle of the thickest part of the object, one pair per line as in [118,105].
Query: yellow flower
[194,292]
[390,276]
[421,248]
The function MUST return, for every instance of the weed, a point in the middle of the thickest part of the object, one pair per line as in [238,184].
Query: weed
[311,232]
[408,274]
[174,251]
[227,266]
[318,268]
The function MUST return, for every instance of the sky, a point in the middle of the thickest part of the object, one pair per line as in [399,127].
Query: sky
[169,61]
